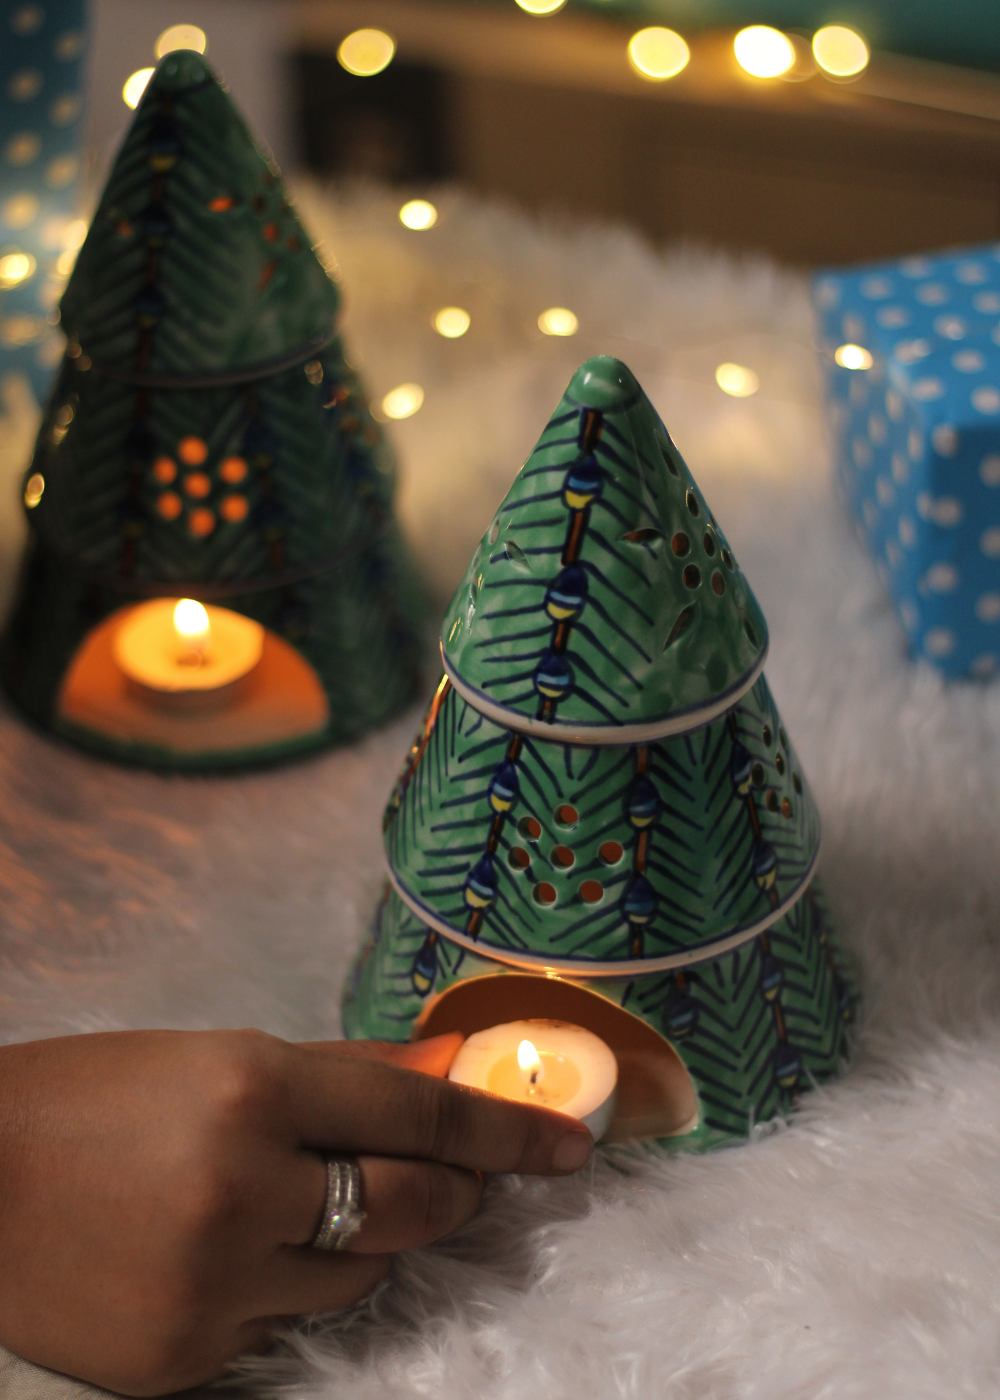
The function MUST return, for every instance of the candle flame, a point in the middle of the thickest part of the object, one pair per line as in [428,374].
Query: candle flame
[191,620]
[529,1063]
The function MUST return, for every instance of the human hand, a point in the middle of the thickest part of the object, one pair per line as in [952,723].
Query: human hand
[159,1190]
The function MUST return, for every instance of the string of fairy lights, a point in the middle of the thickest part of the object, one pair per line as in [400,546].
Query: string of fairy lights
[655,54]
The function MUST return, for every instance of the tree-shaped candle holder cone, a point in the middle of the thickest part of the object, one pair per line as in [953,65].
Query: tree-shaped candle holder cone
[602,819]
[207,440]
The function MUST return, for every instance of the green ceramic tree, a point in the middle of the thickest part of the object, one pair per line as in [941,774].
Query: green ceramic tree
[206,435]
[603,788]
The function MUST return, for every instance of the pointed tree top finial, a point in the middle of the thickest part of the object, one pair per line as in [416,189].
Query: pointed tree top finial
[604,604]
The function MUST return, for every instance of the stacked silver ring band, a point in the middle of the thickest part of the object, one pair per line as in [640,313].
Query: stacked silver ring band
[342,1214]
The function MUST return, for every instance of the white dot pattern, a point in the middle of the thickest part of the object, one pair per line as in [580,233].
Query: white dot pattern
[41,54]
[920,458]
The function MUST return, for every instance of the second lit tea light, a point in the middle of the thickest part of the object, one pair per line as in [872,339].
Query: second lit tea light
[176,650]
[549,1063]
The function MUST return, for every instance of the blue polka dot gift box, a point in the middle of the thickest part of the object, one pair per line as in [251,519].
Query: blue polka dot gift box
[41,58]
[911,351]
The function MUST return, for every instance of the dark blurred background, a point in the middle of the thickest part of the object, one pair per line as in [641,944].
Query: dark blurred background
[548,112]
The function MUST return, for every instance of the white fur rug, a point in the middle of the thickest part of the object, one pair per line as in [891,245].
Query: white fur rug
[854,1253]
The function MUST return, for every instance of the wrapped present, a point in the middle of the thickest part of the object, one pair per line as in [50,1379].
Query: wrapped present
[911,351]
[602,819]
[41,59]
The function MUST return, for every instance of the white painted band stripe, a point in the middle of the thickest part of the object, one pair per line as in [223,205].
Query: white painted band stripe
[559,732]
[623,967]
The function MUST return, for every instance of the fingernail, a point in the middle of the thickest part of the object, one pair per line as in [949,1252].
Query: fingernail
[572,1150]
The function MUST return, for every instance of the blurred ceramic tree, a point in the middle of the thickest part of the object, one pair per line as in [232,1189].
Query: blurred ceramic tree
[206,435]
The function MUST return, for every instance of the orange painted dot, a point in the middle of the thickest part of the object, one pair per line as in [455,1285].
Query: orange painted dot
[165,470]
[233,470]
[567,815]
[611,852]
[563,857]
[170,505]
[221,203]
[201,522]
[192,451]
[270,232]
[518,859]
[235,508]
[545,893]
[197,484]
[591,891]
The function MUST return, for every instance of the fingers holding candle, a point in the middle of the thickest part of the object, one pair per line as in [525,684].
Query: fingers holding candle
[384,1109]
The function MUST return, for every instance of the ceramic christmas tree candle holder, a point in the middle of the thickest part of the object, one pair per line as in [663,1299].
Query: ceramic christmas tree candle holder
[603,820]
[207,439]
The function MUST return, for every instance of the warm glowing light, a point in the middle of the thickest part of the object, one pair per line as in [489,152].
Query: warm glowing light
[73,234]
[366,52]
[529,1063]
[763,52]
[558,320]
[33,490]
[418,214]
[135,86]
[181,36]
[657,53]
[840,51]
[541,7]
[403,401]
[737,380]
[452,321]
[191,620]
[853,357]
[14,268]
[66,262]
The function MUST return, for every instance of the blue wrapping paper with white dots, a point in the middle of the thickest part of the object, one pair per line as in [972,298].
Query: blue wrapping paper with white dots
[42,45]
[918,440]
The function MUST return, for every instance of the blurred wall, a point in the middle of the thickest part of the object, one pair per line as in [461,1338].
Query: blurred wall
[246,45]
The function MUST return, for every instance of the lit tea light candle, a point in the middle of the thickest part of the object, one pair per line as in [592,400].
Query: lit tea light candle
[178,650]
[549,1063]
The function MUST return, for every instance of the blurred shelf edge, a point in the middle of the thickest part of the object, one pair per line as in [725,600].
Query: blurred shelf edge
[589,53]
[548,112]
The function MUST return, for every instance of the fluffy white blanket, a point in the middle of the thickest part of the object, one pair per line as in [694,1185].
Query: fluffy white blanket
[854,1252]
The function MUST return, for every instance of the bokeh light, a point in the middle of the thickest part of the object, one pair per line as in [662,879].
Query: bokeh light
[736,380]
[558,320]
[181,36]
[418,214]
[366,52]
[33,490]
[840,51]
[658,54]
[14,268]
[452,322]
[403,401]
[541,7]
[763,52]
[853,357]
[135,86]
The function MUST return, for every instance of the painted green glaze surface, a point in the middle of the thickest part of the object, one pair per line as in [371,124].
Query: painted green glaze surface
[604,594]
[269,493]
[753,1027]
[236,282]
[298,454]
[542,830]
[571,854]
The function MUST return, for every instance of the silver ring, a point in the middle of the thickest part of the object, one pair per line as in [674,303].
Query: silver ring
[342,1213]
